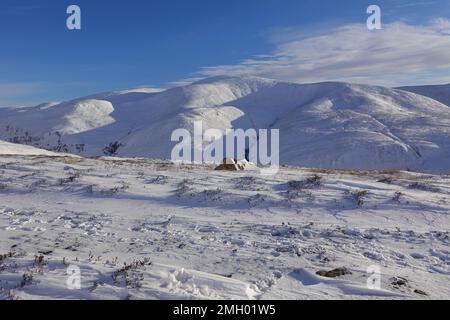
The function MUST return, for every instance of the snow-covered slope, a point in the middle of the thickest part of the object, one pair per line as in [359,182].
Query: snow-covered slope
[150,229]
[326,125]
[439,93]
[7,148]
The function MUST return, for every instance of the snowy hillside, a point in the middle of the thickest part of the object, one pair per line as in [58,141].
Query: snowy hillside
[325,125]
[149,229]
[7,148]
[439,93]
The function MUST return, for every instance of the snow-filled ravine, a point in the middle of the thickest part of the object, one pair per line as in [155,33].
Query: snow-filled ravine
[149,229]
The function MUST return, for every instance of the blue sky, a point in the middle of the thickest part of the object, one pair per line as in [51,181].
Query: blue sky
[125,44]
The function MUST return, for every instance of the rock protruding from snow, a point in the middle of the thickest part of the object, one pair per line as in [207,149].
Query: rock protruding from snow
[230,164]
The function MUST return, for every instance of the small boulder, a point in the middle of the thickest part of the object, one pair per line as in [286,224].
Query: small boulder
[399,282]
[339,272]
[230,164]
[422,293]
[242,164]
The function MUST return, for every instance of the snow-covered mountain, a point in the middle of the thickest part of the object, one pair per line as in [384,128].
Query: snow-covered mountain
[439,93]
[326,125]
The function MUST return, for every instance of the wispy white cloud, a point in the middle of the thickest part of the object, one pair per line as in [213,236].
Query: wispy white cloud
[184,82]
[417,4]
[442,25]
[400,54]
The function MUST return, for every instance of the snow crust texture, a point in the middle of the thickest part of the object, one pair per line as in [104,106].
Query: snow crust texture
[150,229]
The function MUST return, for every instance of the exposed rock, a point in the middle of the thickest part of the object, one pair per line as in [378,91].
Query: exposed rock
[339,272]
[422,293]
[399,281]
[230,164]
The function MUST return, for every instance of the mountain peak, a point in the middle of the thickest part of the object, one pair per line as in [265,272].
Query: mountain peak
[328,125]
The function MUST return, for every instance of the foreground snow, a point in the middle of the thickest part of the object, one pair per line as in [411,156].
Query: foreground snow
[149,229]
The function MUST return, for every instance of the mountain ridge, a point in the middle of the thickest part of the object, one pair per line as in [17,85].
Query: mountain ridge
[439,93]
[330,125]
